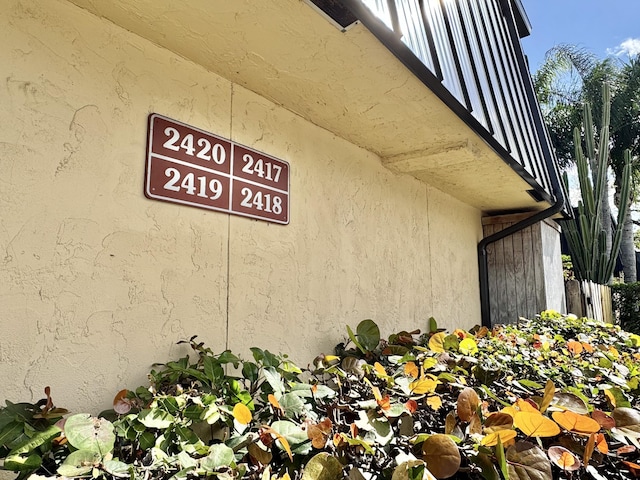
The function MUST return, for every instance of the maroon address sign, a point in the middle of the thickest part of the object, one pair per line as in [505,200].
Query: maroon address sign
[189,166]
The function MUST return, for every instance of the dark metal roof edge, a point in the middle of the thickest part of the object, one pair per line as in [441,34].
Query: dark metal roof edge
[395,45]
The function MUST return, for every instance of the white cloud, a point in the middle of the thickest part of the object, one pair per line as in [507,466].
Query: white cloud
[630,47]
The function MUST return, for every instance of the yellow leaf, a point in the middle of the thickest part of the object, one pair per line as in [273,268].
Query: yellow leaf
[423,385]
[242,414]
[376,394]
[611,397]
[535,425]
[436,342]
[434,402]
[411,369]
[380,371]
[468,346]
[525,406]
[573,422]
[547,398]
[429,362]
[492,439]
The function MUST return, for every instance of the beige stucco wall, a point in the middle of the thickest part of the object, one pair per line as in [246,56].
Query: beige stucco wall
[97,282]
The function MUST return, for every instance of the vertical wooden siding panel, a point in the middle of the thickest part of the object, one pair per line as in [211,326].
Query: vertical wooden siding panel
[520,276]
[529,265]
[540,289]
[510,280]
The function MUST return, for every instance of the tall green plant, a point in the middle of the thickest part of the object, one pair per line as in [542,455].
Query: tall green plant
[592,259]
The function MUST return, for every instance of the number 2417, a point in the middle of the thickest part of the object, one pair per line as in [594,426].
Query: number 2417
[262,169]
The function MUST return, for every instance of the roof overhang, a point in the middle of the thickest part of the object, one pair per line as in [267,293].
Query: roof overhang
[346,82]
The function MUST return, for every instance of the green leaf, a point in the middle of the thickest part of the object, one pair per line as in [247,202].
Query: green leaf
[117,468]
[250,371]
[212,369]
[219,456]
[89,433]
[79,463]
[433,325]
[501,459]
[10,432]
[18,463]
[368,334]
[355,340]
[34,442]
[292,405]
[156,418]
[322,467]
[297,438]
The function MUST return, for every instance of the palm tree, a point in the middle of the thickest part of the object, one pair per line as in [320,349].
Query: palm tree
[570,77]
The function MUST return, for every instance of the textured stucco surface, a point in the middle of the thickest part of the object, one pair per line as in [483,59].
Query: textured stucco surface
[97,282]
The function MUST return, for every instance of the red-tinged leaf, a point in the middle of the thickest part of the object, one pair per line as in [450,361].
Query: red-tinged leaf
[353,429]
[606,422]
[411,406]
[625,449]
[121,404]
[634,468]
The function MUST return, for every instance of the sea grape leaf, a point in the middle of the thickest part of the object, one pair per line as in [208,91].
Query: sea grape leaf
[412,470]
[573,422]
[505,436]
[569,401]
[116,468]
[294,435]
[89,433]
[547,397]
[442,455]
[436,342]
[322,467]
[219,456]
[468,346]
[242,414]
[498,421]
[121,404]
[535,424]
[368,334]
[154,418]
[528,462]
[468,401]
[627,421]
[79,463]
[563,458]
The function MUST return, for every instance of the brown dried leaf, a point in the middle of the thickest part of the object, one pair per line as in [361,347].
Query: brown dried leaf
[442,455]
[467,405]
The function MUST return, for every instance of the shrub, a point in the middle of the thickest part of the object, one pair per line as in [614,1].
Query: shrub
[552,397]
[626,302]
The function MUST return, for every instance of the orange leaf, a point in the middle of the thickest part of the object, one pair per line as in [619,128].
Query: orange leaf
[505,437]
[563,458]
[274,402]
[547,398]
[411,406]
[601,443]
[587,347]
[319,433]
[574,422]
[411,369]
[423,385]
[588,449]
[535,424]
[574,347]
[384,403]
[623,450]
[283,441]
[242,414]
[121,404]
[498,421]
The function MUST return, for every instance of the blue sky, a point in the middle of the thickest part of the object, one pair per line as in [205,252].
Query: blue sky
[602,27]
